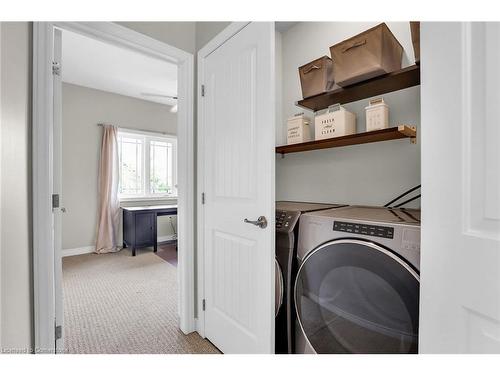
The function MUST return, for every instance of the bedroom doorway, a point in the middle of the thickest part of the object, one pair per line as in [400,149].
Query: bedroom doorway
[47,166]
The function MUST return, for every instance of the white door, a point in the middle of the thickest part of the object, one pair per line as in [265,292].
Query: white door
[238,136]
[460,264]
[57,185]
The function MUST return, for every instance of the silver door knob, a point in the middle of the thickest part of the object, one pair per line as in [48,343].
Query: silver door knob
[261,222]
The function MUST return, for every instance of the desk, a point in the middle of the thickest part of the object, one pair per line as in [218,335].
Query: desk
[140,225]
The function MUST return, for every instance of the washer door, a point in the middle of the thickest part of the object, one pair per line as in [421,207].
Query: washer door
[279,287]
[353,296]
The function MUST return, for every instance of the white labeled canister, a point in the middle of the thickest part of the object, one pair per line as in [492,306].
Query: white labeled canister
[336,122]
[298,129]
[377,115]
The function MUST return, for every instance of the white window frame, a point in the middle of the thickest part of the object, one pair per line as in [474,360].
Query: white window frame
[147,137]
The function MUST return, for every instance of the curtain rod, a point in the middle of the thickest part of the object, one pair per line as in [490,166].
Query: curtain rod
[141,130]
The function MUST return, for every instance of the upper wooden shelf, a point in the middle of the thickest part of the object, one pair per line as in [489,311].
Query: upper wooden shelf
[402,79]
[397,132]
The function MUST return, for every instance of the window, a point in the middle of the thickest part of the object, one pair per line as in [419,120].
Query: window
[147,165]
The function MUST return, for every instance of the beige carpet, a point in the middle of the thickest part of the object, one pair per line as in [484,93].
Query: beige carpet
[116,303]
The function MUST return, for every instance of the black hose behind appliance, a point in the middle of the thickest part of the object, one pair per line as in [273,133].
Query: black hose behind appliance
[403,196]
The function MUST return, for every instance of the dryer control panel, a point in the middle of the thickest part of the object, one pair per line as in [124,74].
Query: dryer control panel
[366,229]
[286,220]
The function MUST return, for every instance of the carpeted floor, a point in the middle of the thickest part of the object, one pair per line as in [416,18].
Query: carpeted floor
[116,303]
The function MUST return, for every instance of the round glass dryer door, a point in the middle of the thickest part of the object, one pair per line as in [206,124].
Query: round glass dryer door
[354,296]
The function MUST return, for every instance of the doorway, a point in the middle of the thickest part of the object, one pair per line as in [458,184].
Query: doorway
[46,168]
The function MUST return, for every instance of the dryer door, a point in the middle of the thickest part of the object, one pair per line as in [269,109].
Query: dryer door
[279,288]
[354,296]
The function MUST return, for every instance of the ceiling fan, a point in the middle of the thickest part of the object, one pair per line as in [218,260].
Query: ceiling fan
[152,95]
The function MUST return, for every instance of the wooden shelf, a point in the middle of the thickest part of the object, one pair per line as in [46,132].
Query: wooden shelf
[398,132]
[402,79]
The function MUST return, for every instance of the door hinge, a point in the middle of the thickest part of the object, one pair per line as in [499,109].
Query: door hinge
[58,332]
[56,68]
[55,200]
[202,90]
[202,198]
[203,305]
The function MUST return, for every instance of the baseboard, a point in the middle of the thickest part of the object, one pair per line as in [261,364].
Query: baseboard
[90,249]
[78,251]
[170,237]
[199,328]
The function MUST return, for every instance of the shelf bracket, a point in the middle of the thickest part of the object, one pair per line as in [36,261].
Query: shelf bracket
[413,140]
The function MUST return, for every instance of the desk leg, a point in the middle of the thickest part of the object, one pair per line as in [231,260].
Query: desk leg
[155,233]
[133,251]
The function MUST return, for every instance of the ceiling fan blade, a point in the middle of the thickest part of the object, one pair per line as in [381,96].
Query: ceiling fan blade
[159,95]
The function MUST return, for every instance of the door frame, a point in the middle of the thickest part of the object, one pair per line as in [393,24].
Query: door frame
[226,34]
[42,168]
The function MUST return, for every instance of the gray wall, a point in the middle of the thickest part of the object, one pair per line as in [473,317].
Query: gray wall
[177,34]
[205,31]
[15,187]
[364,174]
[83,109]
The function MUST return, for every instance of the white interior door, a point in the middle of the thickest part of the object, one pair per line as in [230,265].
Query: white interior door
[238,129]
[460,264]
[57,185]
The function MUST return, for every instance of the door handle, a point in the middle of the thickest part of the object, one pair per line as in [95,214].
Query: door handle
[261,222]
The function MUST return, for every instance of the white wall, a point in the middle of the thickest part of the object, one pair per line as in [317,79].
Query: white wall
[83,109]
[15,187]
[364,174]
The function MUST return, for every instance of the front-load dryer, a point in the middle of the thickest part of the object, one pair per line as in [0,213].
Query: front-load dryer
[357,286]
[287,227]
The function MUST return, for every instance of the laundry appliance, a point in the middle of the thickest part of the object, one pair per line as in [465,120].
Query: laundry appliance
[287,227]
[357,285]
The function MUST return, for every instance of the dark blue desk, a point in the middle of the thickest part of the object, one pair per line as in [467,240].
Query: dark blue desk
[140,225]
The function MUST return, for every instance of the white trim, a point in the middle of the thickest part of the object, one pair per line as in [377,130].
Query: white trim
[211,46]
[169,237]
[78,251]
[146,140]
[220,39]
[1,185]
[171,199]
[147,132]
[43,251]
[90,249]
[43,240]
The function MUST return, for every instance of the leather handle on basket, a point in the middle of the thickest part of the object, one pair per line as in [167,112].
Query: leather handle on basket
[357,43]
[311,68]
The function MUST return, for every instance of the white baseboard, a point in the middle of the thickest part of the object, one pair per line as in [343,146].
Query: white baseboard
[170,237]
[90,249]
[78,251]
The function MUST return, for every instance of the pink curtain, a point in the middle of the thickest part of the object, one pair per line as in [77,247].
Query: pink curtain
[108,214]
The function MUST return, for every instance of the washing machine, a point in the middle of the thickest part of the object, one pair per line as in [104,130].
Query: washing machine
[287,227]
[357,284]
